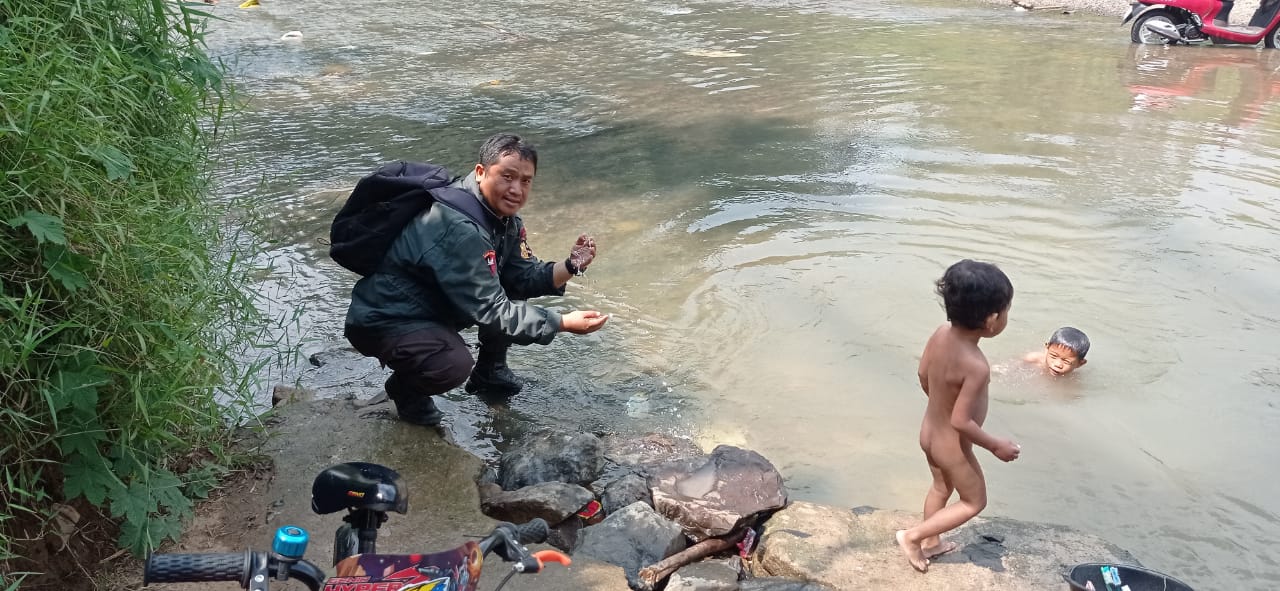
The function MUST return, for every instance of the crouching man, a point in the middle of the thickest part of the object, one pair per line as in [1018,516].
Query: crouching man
[448,271]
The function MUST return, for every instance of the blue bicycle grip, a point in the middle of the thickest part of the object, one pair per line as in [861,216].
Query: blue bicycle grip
[196,568]
[533,532]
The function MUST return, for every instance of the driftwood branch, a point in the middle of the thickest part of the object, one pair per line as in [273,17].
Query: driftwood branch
[650,575]
[1029,6]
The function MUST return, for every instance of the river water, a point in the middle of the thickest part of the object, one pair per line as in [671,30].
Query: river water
[774,185]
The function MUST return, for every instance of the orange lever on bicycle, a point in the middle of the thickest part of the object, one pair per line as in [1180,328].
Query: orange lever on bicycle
[545,556]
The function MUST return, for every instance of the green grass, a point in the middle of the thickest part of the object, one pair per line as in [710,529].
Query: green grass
[122,289]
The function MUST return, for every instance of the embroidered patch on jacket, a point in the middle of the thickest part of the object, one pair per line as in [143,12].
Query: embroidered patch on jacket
[491,259]
[525,251]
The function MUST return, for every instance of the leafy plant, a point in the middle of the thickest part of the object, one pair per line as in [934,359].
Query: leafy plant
[123,297]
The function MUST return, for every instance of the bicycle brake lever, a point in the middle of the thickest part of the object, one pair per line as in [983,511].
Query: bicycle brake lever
[545,556]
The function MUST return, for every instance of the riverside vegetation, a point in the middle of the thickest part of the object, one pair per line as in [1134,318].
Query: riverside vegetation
[123,303]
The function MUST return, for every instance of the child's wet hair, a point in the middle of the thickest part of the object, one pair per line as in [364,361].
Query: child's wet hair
[971,291]
[1071,338]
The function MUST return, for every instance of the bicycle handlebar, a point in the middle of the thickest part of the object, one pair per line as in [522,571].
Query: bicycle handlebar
[251,569]
[507,540]
[194,568]
[254,569]
[533,532]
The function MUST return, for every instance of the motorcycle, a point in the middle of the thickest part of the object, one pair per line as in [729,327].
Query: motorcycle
[367,492]
[1170,22]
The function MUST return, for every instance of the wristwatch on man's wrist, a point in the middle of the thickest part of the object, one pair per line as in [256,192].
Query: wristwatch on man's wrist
[573,269]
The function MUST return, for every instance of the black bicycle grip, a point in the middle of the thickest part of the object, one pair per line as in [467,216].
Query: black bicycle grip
[196,568]
[533,532]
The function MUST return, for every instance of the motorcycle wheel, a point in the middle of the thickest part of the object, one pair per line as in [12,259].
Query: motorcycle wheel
[1272,40]
[1140,34]
[345,543]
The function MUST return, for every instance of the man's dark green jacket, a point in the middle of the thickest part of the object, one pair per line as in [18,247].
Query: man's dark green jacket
[447,270]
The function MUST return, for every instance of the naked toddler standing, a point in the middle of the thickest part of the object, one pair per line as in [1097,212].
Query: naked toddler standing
[954,375]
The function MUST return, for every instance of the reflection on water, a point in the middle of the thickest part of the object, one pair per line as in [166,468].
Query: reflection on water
[775,185]
[1228,89]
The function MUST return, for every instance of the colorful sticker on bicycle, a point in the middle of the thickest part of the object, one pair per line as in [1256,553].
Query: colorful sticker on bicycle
[436,585]
[453,570]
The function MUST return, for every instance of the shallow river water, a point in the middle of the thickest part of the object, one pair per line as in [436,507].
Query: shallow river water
[774,186]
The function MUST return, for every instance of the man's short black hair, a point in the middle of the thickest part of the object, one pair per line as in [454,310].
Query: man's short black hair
[1071,338]
[971,291]
[501,144]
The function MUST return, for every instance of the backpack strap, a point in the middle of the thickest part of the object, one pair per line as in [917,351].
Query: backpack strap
[468,203]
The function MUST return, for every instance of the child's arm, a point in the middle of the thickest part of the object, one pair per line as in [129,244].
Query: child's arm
[922,370]
[1034,357]
[972,392]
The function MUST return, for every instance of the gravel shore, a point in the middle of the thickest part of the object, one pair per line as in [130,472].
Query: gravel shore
[1240,14]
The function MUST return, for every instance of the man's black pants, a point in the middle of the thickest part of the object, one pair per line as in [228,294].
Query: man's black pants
[424,362]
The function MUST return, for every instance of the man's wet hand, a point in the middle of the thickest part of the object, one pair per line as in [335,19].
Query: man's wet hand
[582,321]
[583,252]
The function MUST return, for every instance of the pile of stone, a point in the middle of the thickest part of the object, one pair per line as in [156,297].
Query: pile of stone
[657,506]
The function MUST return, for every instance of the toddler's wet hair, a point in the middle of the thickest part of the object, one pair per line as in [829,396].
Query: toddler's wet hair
[1071,338]
[971,291]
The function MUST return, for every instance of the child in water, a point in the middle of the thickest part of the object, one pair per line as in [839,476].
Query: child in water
[1063,354]
[954,375]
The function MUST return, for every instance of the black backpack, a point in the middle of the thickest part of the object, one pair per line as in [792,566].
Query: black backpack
[383,203]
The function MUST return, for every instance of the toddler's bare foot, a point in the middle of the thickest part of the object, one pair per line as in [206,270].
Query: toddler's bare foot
[913,552]
[940,549]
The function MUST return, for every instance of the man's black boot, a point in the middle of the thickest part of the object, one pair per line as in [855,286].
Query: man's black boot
[491,376]
[418,409]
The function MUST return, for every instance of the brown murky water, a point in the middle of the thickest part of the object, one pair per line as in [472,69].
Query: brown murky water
[774,186]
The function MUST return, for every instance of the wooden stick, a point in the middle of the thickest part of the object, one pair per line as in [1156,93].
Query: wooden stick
[1033,6]
[650,575]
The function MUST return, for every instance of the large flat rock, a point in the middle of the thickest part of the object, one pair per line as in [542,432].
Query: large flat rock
[855,549]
